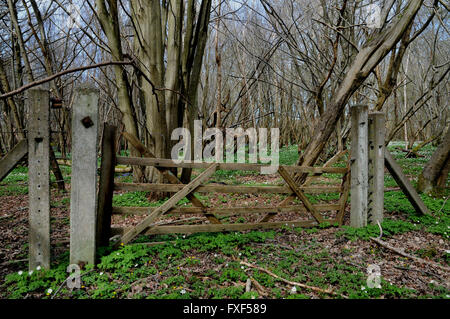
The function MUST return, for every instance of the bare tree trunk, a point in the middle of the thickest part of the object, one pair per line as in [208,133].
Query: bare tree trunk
[434,176]
[219,72]
[5,87]
[364,63]
[192,65]
[405,104]
[149,46]
[109,21]
[18,31]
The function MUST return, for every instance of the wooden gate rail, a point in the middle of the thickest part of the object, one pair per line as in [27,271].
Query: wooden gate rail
[171,188]
[224,212]
[206,228]
[168,163]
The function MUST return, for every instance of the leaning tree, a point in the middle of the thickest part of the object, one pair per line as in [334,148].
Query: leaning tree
[434,176]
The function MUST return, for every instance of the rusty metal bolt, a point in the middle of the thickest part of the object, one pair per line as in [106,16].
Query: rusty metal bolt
[87,122]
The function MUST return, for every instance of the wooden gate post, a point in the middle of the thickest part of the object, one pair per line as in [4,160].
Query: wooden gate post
[106,185]
[376,168]
[39,177]
[359,166]
[83,198]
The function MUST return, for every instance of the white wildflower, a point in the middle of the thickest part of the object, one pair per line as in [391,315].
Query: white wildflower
[38,268]
[183,291]
[49,291]
[30,272]
[294,290]
[20,273]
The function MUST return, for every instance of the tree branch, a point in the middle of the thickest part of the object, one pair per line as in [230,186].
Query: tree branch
[62,73]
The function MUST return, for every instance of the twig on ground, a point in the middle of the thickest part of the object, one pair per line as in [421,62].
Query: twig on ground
[381,230]
[10,262]
[293,283]
[443,205]
[274,245]
[259,287]
[419,270]
[354,265]
[155,243]
[401,252]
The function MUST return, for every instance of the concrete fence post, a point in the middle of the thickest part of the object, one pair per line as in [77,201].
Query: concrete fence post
[376,168]
[359,166]
[38,101]
[83,203]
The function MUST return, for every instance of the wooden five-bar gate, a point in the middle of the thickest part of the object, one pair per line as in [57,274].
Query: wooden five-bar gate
[91,211]
[153,220]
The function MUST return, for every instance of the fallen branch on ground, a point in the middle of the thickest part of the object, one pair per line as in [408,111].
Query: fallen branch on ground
[10,262]
[293,283]
[419,270]
[259,288]
[401,252]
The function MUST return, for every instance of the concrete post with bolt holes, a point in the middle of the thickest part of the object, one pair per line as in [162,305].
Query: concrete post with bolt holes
[83,199]
[359,166]
[38,100]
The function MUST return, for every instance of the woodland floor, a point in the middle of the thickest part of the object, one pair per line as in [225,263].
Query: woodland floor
[208,265]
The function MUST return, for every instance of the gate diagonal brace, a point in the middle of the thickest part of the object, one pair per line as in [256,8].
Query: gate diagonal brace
[188,189]
[290,181]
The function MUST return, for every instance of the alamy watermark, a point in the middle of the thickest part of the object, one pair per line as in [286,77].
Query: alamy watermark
[373,19]
[74,279]
[74,20]
[374,278]
[212,146]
